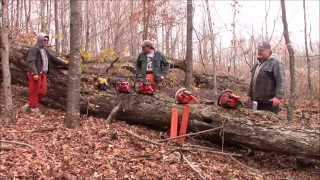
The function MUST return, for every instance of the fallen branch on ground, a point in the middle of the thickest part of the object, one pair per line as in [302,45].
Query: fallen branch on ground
[40,130]
[255,171]
[5,148]
[141,138]
[195,168]
[190,134]
[210,150]
[113,113]
[184,148]
[18,143]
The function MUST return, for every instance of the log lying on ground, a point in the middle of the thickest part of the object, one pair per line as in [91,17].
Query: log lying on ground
[249,131]
[155,111]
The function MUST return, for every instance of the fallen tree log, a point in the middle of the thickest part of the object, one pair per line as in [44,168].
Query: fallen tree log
[155,111]
[241,127]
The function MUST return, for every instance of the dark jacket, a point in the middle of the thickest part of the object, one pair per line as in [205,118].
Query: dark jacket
[160,66]
[34,60]
[269,82]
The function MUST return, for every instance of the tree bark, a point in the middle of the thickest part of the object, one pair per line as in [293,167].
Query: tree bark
[42,16]
[146,19]
[234,38]
[18,12]
[73,93]
[7,93]
[64,23]
[307,51]
[291,105]
[57,30]
[87,45]
[212,40]
[189,53]
[133,30]
[48,17]
[241,127]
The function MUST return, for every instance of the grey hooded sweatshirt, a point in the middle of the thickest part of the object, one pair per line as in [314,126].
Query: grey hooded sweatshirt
[39,58]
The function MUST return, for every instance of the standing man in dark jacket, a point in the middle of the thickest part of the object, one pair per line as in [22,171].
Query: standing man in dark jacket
[267,81]
[39,61]
[151,65]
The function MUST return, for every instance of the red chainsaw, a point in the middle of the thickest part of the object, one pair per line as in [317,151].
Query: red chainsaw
[183,96]
[229,100]
[146,88]
[123,87]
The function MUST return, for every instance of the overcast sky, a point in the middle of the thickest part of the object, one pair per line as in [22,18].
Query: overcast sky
[252,13]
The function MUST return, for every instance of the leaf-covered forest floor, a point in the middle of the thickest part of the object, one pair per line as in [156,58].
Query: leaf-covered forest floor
[98,150]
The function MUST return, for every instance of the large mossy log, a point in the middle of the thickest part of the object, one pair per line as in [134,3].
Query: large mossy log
[241,127]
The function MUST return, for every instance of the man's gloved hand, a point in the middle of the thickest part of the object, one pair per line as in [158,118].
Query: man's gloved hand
[35,77]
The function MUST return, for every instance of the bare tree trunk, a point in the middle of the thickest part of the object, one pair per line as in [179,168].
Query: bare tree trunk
[146,18]
[11,14]
[63,21]
[26,15]
[189,53]
[73,93]
[29,15]
[174,45]
[234,41]
[318,71]
[310,41]
[167,39]
[87,46]
[132,32]
[307,51]
[253,48]
[94,25]
[7,93]
[266,18]
[220,52]
[57,30]
[17,14]
[48,17]
[291,105]
[42,16]
[21,13]
[212,38]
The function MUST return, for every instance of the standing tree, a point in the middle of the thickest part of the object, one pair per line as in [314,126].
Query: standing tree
[146,19]
[8,105]
[291,105]
[43,22]
[87,44]
[306,50]
[212,39]
[56,23]
[189,53]
[235,6]
[27,13]
[73,93]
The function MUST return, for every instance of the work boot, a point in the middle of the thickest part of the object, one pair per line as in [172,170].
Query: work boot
[35,110]
[26,108]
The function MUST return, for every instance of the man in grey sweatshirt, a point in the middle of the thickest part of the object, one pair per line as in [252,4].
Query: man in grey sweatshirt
[267,80]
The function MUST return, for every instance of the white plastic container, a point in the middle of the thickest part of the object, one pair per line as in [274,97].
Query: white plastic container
[254,105]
